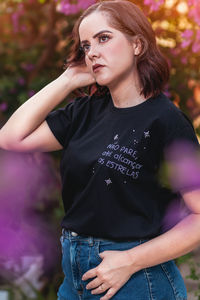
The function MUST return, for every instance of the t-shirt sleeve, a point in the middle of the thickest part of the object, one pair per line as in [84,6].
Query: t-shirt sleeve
[181,153]
[60,122]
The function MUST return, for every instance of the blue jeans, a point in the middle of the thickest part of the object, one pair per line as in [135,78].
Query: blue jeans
[81,253]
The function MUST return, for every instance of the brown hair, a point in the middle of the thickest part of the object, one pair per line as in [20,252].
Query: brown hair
[151,65]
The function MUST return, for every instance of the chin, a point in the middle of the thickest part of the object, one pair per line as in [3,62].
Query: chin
[104,82]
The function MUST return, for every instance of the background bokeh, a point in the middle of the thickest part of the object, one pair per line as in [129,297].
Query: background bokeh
[35,36]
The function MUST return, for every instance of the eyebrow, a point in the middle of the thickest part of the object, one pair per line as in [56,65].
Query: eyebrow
[94,36]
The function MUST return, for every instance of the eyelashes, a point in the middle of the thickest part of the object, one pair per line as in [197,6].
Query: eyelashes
[85,47]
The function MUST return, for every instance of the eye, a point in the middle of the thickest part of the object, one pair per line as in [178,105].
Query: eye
[103,37]
[85,48]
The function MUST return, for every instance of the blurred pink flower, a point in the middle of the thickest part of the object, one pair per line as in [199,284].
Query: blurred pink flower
[194,11]
[196,44]
[175,51]
[16,16]
[187,36]
[198,34]
[196,47]
[188,33]
[68,8]
[23,28]
[15,20]
[184,60]
[185,43]
[154,4]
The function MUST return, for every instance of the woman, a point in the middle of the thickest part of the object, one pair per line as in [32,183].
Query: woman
[113,143]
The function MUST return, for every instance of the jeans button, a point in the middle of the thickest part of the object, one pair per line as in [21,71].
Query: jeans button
[74,233]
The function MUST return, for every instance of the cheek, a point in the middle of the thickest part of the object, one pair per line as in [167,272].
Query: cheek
[86,60]
[88,63]
[115,50]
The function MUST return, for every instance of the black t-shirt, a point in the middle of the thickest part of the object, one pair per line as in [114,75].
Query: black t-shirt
[110,162]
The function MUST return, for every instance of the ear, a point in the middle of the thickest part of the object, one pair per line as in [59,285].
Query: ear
[137,46]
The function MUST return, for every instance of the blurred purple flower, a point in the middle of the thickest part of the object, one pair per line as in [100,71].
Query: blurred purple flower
[183,159]
[21,81]
[175,212]
[3,106]
[31,93]
[13,91]
[183,172]
[22,231]
[167,93]
[27,67]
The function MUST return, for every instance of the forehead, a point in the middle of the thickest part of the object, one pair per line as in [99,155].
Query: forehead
[93,23]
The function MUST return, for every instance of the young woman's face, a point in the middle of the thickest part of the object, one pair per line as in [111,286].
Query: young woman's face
[106,46]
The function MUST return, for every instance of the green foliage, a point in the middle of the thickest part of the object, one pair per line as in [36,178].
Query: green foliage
[183,259]
[194,268]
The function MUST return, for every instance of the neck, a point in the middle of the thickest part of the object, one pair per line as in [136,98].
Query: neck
[126,94]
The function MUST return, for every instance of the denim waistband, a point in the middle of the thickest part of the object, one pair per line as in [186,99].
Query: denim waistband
[72,235]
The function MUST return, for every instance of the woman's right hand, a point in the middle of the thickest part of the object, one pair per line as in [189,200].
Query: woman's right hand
[79,76]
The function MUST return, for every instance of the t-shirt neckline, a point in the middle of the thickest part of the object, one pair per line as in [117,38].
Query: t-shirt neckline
[122,110]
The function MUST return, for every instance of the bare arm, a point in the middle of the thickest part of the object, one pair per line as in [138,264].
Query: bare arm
[118,266]
[26,119]
[27,130]
[179,240]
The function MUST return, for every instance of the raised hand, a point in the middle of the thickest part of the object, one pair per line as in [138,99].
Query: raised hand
[79,75]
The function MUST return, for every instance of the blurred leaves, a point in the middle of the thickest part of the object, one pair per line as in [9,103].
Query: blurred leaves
[36,36]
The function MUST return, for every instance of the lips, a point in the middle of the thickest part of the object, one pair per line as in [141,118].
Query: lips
[96,67]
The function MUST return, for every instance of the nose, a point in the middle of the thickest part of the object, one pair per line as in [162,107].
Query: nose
[93,52]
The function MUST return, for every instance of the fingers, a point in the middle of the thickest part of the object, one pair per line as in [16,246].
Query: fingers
[111,292]
[101,288]
[89,274]
[94,283]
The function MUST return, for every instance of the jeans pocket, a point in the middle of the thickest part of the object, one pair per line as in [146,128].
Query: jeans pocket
[113,246]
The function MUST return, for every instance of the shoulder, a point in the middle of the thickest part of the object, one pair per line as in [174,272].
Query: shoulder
[171,116]
[86,104]
[175,124]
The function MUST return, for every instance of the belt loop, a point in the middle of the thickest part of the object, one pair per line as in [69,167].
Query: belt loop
[90,241]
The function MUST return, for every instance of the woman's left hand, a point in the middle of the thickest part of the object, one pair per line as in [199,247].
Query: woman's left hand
[111,274]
